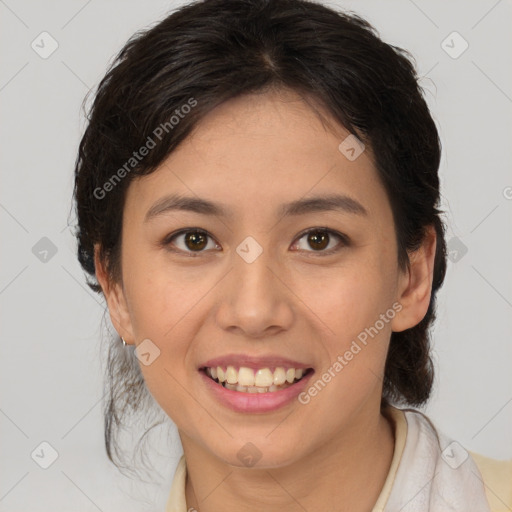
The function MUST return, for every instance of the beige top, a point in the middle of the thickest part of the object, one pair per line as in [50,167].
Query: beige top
[496,474]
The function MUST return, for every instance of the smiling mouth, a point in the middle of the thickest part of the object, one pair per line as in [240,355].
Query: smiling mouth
[247,380]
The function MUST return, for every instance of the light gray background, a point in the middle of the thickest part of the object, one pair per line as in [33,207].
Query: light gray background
[51,375]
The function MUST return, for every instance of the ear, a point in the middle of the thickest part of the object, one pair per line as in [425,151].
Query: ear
[415,284]
[116,301]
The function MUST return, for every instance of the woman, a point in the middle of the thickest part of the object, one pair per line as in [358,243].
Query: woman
[257,197]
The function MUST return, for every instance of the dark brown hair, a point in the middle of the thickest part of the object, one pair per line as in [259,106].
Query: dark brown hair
[209,51]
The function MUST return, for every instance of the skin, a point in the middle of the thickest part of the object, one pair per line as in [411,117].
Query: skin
[252,154]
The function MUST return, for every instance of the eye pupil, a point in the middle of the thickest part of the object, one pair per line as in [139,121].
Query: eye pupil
[318,239]
[197,240]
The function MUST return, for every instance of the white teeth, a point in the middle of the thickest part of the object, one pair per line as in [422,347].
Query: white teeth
[263,378]
[246,376]
[231,375]
[247,380]
[279,376]
[290,375]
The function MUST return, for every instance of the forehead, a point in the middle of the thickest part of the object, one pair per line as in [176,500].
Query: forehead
[259,150]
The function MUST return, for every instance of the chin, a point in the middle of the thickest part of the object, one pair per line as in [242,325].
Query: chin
[260,453]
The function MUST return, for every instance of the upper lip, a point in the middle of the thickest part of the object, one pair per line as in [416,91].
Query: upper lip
[270,361]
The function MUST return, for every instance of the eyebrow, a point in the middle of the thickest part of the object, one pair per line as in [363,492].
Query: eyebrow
[323,203]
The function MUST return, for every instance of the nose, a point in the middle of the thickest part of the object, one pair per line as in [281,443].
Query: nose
[255,301]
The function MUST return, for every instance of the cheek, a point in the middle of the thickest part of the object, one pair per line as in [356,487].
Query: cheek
[347,298]
[349,301]
[157,293]
[356,349]
[159,307]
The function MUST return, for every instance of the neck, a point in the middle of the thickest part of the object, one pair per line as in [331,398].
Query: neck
[345,473]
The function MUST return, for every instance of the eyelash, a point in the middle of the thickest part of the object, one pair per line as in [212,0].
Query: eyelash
[344,241]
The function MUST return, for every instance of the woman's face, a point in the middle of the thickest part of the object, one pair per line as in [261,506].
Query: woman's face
[253,288]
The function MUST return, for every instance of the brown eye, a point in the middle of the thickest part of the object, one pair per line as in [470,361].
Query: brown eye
[191,241]
[318,240]
[195,240]
[321,241]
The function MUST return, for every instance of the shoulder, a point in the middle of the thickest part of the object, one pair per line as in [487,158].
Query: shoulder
[496,474]
[497,477]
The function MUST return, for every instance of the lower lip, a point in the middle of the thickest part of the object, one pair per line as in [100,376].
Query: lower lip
[255,402]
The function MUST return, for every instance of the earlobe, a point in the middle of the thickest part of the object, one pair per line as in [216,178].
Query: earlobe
[415,285]
[116,302]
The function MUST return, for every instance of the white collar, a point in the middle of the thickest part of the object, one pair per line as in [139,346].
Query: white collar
[436,474]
